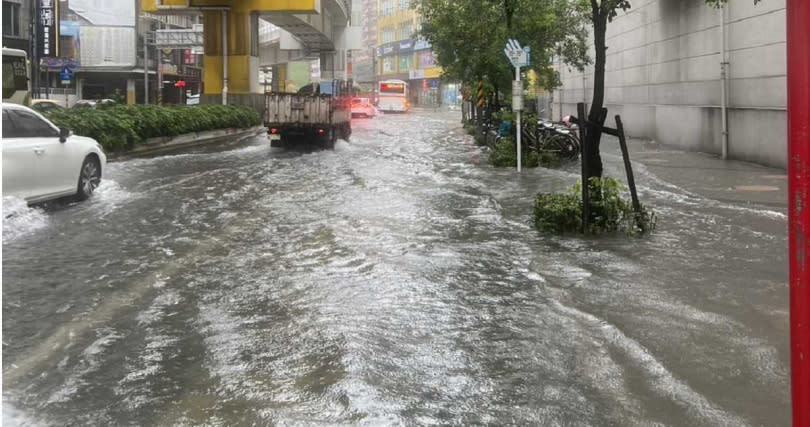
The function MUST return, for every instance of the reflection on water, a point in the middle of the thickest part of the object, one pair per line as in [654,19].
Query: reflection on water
[393,280]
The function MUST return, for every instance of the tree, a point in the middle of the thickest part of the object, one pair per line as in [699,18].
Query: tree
[600,13]
[468,37]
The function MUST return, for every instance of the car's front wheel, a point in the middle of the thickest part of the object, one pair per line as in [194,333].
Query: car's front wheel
[89,178]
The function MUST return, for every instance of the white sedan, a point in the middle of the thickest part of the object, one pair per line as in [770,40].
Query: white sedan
[42,162]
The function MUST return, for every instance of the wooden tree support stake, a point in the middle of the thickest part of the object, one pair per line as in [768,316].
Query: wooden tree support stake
[583,132]
[631,182]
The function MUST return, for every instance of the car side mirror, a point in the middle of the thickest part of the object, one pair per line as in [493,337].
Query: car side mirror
[64,133]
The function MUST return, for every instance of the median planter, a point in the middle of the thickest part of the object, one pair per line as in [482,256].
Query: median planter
[126,127]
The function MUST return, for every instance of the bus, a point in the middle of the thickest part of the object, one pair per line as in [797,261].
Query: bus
[16,87]
[393,96]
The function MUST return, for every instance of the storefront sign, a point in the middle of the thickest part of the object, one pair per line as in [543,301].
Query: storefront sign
[421,44]
[405,46]
[416,74]
[426,59]
[48,28]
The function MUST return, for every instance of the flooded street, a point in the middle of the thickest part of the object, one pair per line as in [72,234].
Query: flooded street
[396,280]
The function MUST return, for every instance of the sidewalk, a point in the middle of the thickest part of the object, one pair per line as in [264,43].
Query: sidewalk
[707,174]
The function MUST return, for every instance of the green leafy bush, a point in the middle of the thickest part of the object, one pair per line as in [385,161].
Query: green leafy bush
[121,127]
[557,213]
[609,211]
[505,155]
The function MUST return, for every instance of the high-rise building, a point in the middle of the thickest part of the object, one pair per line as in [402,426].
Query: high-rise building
[364,15]
[400,55]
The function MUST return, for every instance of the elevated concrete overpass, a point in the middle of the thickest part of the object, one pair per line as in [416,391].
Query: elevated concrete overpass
[231,73]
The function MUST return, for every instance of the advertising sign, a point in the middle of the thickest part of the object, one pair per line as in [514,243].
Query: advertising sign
[107,46]
[48,28]
[421,44]
[112,13]
[405,46]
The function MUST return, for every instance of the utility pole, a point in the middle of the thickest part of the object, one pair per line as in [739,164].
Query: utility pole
[146,67]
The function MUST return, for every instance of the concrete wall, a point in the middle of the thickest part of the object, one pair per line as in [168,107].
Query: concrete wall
[663,76]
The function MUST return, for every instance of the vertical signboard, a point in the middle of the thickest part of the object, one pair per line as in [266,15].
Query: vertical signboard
[48,28]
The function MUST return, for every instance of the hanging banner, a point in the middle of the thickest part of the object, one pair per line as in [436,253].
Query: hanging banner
[48,28]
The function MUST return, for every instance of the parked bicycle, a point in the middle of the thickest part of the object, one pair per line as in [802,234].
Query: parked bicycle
[558,137]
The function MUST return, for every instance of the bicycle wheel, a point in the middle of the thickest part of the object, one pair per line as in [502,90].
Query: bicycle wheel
[564,145]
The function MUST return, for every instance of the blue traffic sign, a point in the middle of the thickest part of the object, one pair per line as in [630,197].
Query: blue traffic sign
[65,74]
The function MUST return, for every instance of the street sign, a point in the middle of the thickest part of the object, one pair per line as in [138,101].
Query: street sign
[517,88]
[178,39]
[65,75]
[517,103]
[518,56]
[517,95]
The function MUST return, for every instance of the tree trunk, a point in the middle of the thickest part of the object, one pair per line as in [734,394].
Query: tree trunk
[596,115]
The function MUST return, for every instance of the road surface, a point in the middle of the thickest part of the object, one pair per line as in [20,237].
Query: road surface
[395,280]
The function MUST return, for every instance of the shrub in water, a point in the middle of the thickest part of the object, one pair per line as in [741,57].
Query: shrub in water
[505,155]
[609,212]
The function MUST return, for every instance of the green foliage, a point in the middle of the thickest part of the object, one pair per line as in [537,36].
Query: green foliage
[558,213]
[118,97]
[121,127]
[548,159]
[468,37]
[504,116]
[609,211]
[505,155]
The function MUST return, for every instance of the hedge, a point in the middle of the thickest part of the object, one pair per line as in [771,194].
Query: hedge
[505,155]
[122,127]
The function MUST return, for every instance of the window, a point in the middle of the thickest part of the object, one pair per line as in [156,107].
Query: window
[387,35]
[388,64]
[386,7]
[8,127]
[15,76]
[404,4]
[405,62]
[392,88]
[11,19]
[405,31]
[28,125]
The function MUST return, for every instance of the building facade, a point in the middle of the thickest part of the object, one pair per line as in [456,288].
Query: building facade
[402,56]
[102,43]
[364,15]
[17,24]
[664,76]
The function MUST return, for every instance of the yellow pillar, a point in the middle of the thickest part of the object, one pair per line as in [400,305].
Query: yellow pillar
[242,56]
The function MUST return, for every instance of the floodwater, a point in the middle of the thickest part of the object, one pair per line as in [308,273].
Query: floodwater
[396,280]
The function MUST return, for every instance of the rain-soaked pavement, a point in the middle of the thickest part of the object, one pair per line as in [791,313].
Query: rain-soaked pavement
[394,280]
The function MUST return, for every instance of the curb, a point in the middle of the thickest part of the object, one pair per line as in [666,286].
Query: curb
[172,143]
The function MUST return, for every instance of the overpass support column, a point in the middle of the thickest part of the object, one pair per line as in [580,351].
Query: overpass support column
[333,64]
[241,53]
